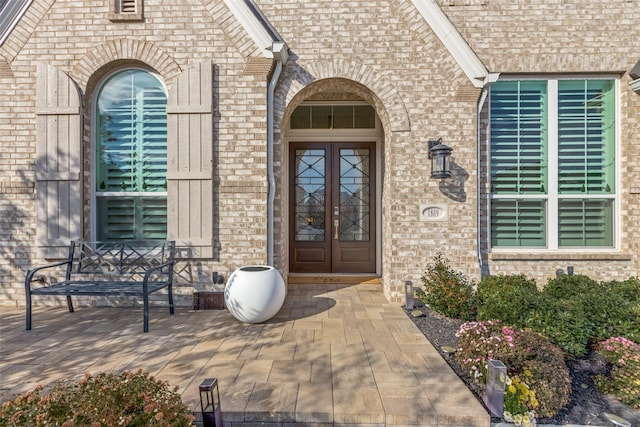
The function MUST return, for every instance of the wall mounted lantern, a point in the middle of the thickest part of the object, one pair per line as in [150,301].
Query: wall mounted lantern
[210,403]
[440,156]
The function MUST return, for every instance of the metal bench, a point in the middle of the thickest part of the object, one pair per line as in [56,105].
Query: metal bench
[109,268]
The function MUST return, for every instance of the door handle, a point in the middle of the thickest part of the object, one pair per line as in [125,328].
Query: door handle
[336,226]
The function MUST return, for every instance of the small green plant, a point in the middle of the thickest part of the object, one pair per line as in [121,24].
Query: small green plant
[447,291]
[510,298]
[127,399]
[624,378]
[530,357]
[518,399]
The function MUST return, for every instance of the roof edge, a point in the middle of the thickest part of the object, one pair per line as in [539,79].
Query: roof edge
[255,24]
[12,12]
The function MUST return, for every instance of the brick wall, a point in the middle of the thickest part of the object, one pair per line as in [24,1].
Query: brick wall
[384,52]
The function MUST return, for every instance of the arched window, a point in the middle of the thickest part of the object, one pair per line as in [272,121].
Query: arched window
[131,157]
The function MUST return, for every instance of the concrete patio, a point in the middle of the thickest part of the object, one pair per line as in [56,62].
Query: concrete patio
[335,354]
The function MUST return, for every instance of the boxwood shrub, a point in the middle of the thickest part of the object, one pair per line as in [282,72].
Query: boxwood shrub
[510,298]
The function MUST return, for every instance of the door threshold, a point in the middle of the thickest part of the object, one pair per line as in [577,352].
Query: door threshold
[333,278]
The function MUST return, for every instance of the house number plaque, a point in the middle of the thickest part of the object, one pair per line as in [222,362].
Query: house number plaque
[434,213]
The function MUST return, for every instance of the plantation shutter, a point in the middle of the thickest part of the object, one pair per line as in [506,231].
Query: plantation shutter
[519,138]
[518,222]
[586,162]
[58,162]
[586,135]
[131,158]
[585,222]
[519,147]
[190,160]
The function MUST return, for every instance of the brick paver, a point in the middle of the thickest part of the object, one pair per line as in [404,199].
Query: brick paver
[334,355]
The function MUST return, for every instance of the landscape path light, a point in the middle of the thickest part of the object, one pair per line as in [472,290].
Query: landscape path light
[496,382]
[408,295]
[210,403]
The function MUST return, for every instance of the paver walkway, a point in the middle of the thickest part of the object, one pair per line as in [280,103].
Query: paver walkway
[334,355]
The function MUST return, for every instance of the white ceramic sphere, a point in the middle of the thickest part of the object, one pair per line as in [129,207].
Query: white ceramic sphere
[254,293]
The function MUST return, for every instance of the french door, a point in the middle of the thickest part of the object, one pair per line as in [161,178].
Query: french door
[332,207]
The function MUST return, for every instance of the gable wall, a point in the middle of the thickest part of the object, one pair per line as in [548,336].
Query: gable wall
[566,37]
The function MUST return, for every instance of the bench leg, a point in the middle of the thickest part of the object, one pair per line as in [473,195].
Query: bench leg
[28,311]
[170,292]
[145,299]
[69,304]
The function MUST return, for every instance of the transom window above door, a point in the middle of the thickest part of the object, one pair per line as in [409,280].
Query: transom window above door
[333,116]
[131,157]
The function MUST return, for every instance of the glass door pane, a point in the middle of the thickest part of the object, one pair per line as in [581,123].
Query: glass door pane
[310,195]
[354,194]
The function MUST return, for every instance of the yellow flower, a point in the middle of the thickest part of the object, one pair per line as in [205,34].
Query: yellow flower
[512,388]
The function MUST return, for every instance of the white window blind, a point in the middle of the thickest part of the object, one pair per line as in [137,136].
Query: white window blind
[560,200]
[131,157]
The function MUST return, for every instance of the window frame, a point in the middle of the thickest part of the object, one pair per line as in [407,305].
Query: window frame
[93,205]
[552,196]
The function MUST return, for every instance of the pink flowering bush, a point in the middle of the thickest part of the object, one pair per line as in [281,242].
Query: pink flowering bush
[624,378]
[531,359]
[128,399]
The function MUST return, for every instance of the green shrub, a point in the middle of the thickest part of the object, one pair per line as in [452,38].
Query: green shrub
[624,379]
[128,399]
[530,358]
[567,312]
[564,322]
[447,291]
[570,287]
[619,313]
[575,312]
[509,298]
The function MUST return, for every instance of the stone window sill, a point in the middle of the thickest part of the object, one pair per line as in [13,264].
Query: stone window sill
[559,256]
[126,17]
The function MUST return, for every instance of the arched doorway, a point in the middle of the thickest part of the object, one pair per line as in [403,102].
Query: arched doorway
[334,142]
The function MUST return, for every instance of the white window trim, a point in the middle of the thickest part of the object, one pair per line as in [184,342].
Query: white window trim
[94,194]
[552,196]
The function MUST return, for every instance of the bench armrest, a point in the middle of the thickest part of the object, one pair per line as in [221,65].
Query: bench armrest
[153,269]
[31,273]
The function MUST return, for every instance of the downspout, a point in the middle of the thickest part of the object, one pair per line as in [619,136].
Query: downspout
[488,81]
[280,56]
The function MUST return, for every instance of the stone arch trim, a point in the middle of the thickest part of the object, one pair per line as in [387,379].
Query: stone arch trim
[124,49]
[388,97]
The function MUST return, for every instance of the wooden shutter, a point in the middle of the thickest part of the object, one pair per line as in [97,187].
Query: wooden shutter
[190,160]
[58,162]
